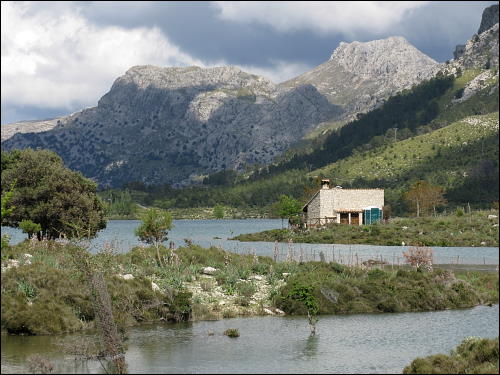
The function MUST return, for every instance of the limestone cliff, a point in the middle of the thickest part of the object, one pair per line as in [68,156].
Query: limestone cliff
[360,76]
[171,125]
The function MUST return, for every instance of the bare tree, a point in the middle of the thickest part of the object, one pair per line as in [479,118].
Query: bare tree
[92,274]
[420,256]
[424,197]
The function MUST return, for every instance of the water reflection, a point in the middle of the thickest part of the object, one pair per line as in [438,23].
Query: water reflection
[362,343]
[310,347]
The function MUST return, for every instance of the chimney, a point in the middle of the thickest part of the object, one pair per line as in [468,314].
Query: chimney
[325,183]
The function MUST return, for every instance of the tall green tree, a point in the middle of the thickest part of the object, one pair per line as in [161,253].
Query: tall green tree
[288,208]
[154,228]
[61,201]
[5,212]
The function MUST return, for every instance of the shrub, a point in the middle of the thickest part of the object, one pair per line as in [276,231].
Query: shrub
[246,289]
[228,313]
[232,332]
[473,356]
[207,285]
[242,301]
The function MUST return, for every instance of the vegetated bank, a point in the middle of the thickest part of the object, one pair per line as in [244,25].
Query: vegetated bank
[42,292]
[474,355]
[477,228]
[201,213]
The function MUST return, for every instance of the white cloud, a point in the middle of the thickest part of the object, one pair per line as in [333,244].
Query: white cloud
[348,17]
[280,70]
[53,57]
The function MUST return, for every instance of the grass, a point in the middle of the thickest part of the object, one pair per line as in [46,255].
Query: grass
[428,152]
[474,355]
[48,296]
[474,229]
[339,289]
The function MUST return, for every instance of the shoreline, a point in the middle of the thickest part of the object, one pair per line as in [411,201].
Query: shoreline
[476,229]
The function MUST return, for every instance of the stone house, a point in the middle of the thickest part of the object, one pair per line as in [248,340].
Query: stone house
[344,206]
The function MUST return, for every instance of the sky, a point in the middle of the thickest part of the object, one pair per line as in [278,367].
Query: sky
[61,57]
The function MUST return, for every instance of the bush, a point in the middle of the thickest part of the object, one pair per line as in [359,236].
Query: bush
[232,332]
[473,356]
[246,289]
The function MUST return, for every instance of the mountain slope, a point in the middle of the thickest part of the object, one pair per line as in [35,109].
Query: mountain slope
[464,153]
[167,125]
[175,125]
[360,76]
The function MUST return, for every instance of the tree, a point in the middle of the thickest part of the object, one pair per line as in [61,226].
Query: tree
[154,228]
[29,227]
[422,197]
[46,192]
[121,203]
[305,294]
[419,256]
[288,207]
[219,212]
[5,212]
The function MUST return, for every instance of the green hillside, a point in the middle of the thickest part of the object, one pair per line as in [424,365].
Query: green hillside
[446,140]
[457,157]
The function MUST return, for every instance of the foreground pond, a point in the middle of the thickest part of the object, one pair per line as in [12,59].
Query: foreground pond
[363,343]
[216,232]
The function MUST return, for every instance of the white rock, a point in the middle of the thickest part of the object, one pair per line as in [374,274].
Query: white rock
[128,276]
[491,217]
[27,255]
[285,274]
[278,311]
[269,312]
[222,303]
[483,243]
[403,243]
[209,270]
[256,277]
[155,286]
[12,263]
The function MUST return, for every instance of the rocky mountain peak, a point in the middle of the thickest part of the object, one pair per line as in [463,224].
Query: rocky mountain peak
[481,51]
[489,18]
[173,125]
[230,77]
[359,76]
[384,56]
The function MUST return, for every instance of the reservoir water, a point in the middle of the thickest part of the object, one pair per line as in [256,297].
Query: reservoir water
[120,233]
[361,343]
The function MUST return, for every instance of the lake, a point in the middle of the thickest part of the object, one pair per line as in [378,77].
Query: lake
[216,232]
[360,343]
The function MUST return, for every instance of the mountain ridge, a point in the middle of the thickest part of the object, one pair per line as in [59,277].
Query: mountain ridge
[177,124]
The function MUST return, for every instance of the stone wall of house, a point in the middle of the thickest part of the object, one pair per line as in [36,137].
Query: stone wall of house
[327,201]
[314,209]
[357,199]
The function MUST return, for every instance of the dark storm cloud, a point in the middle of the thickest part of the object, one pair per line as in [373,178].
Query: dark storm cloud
[438,27]
[434,28]
[196,29]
